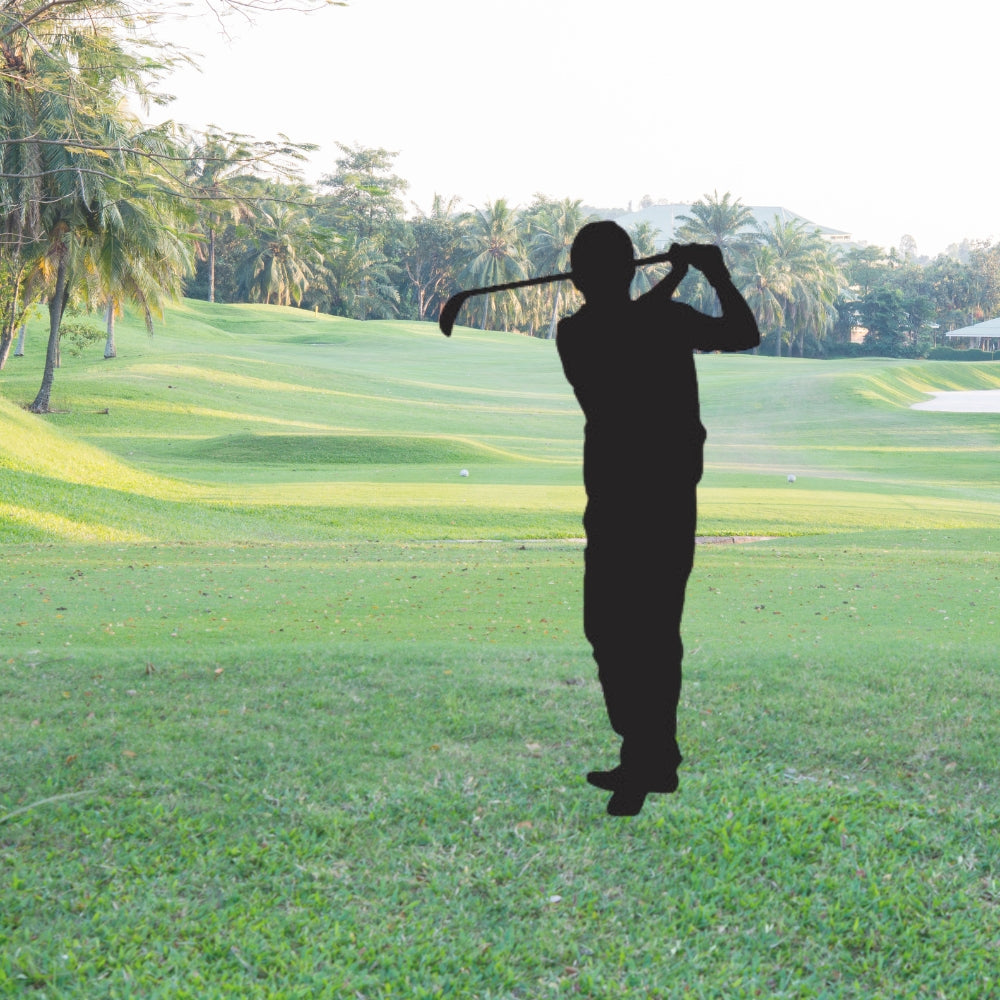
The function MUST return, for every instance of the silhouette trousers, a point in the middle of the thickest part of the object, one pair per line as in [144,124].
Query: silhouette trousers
[636,567]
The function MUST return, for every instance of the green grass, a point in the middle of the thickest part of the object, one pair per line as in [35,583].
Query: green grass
[291,709]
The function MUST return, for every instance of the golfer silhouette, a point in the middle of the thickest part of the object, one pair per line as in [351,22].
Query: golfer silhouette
[631,365]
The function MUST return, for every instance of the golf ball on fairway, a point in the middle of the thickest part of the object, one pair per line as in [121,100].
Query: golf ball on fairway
[464,472]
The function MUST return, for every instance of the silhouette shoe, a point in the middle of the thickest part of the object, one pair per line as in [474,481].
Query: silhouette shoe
[626,801]
[615,780]
[610,781]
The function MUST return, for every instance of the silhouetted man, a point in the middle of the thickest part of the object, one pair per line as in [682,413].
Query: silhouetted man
[631,365]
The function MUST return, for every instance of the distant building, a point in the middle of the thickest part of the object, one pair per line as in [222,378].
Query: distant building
[985,336]
[665,219]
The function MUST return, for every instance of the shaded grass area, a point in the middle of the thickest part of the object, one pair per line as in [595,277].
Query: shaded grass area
[39,508]
[339,449]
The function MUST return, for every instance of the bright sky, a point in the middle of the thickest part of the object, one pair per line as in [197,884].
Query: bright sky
[872,116]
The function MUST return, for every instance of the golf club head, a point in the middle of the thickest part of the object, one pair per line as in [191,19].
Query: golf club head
[450,312]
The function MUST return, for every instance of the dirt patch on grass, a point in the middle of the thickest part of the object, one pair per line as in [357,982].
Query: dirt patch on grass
[732,539]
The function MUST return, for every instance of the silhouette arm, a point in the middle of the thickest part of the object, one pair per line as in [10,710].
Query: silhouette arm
[736,329]
[663,290]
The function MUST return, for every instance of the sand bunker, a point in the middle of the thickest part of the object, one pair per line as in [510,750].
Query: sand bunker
[971,401]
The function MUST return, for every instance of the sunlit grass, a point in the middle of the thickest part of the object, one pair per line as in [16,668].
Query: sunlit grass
[794,510]
[384,416]
[31,522]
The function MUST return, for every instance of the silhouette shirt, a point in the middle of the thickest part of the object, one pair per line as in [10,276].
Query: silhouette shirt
[632,369]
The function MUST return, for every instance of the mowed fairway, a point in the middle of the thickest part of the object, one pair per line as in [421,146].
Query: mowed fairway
[290,708]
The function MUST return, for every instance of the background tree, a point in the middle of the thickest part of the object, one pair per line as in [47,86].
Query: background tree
[142,256]
[908,247]
[644,240]
[549,228]
[864,267]
[724,221]
[882,312]
[14,300]
[951,286]
[364,207]
[71,153]
[765,283]
[984,273]
[807,279]
[217,163]
[224,178]
[70,221]
[493,253]
[429,249]
[358,280]
[284,256]
[365,197]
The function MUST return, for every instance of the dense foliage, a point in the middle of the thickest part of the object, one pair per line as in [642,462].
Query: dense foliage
[812,297]
[97,206]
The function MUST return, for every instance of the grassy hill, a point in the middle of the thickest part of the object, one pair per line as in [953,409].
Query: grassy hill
[255,422]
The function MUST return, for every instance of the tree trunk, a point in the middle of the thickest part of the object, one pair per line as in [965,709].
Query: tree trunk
[56,305]
[6,339]
[19,350]
[8,327]
[211,264]
[109,345]
[555,314]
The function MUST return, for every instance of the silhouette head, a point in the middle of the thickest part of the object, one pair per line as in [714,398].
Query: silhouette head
[602,259]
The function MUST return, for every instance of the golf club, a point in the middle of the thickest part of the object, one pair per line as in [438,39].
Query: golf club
[451,308]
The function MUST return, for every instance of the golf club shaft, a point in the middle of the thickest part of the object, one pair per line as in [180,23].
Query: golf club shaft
[450,311]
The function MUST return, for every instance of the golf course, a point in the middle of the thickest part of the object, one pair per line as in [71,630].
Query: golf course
[295,700]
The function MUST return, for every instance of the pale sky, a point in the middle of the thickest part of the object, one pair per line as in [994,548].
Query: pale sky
[874,117]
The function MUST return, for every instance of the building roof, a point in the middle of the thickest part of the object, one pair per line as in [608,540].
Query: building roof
[988,328]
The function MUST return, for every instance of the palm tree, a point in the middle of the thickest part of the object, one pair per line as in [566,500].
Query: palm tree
[805,276]
[644,240]
[357,280]
[550,227]
[68,223]
[763,281]
[494,253]
[725,221]
[75,154]
[283,258]
[142,256]
[14,302]
[429,246]
[218,164]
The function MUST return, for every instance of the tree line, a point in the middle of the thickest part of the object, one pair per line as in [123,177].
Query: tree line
[348,247]
[99,209]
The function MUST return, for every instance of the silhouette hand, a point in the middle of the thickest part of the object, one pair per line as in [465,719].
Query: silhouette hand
[678,261]
[707,258]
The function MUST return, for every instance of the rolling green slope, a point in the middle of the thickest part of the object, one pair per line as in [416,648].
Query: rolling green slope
[257,422]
